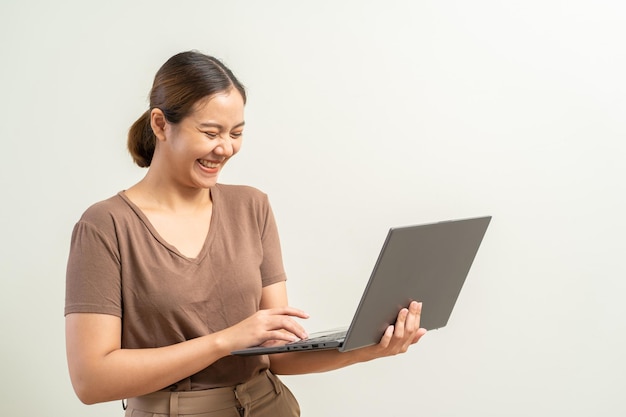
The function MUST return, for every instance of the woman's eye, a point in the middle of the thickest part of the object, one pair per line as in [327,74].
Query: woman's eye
[211,135]
[236,135]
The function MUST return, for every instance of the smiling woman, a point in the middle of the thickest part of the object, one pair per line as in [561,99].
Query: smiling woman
[184,80]
[168,277]
[195,150]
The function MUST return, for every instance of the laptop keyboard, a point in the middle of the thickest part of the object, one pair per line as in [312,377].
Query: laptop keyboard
[338,336]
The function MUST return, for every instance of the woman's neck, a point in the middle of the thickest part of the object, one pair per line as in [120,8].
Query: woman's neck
[153,193]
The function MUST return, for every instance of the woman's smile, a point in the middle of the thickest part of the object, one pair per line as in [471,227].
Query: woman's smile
[211,167]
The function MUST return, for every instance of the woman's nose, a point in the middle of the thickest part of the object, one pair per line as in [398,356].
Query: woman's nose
[225,147]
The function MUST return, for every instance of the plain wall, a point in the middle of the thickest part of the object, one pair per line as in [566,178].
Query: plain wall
[362,115]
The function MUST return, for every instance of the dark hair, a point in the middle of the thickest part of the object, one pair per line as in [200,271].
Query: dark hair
[179,84]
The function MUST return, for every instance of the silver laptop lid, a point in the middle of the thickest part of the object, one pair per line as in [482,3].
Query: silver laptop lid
[427,263]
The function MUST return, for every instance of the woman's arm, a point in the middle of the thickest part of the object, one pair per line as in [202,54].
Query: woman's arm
[396,339]
[101,370]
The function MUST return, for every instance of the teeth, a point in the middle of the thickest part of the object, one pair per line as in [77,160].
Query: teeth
[208,164]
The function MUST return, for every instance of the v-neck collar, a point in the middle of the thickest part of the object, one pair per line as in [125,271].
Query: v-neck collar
[207,241]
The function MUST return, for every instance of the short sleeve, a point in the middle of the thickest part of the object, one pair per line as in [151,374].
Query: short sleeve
[93,279]
[272,269]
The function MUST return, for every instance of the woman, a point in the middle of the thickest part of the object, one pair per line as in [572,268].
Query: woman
[166,278]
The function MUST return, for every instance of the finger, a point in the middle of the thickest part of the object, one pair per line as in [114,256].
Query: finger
[280,318]
[418,313]
[288,325]
[400,323]
[281,336]
[411,325]
[386,339]
[286,337]
[273,343]
[418,335]
[289,311]
[412,320]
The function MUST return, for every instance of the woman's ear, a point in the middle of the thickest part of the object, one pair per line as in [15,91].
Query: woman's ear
[158,123]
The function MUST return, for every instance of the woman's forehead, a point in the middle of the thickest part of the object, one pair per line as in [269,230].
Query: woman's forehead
[227,95]
[228,104]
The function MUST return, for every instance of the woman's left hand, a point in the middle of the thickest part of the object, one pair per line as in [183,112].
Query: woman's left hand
[399,337]
[396,339]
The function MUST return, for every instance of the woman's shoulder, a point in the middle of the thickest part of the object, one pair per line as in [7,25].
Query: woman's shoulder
[241,193]
[106,211]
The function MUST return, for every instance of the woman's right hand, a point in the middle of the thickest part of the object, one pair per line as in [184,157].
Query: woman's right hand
[273,325]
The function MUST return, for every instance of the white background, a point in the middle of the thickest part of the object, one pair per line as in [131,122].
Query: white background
[362,115]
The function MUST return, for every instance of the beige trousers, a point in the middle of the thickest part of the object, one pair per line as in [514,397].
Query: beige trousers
[262,396]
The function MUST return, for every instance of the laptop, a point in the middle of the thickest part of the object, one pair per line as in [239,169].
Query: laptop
[427,263]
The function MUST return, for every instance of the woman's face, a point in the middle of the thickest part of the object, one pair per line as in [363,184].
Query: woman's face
[197,148]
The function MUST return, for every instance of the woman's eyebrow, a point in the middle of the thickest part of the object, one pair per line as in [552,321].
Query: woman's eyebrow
[219,126]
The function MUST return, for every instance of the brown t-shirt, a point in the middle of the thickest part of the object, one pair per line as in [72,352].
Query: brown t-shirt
[119,265]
